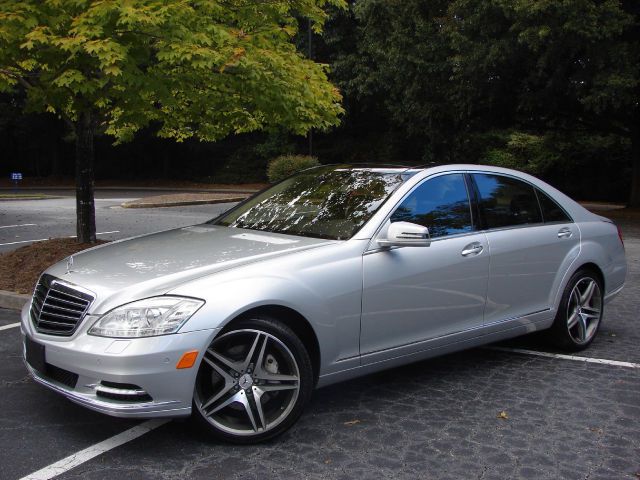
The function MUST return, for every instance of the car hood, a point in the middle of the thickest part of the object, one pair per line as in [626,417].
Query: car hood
[153,264]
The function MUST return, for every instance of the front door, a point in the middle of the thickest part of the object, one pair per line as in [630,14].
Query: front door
[415,294]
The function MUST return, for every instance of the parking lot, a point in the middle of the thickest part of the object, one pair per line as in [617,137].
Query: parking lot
[24,221]
[483,413]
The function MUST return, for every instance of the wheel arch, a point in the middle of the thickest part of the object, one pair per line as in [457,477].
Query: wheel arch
[292,319]
[585,265]
[596,269]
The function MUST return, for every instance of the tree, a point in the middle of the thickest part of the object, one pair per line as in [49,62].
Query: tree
[452,76]
[202,69]
[546,65]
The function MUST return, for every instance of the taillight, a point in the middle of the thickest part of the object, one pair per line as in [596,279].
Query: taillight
[620,234]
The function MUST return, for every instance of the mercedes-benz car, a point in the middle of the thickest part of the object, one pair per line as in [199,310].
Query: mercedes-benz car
[333,273]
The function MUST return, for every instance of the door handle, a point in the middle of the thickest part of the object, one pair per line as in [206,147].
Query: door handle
[472,249]
[565,232]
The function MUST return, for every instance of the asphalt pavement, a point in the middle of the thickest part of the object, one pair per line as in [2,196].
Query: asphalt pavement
[23,221]
[483,413]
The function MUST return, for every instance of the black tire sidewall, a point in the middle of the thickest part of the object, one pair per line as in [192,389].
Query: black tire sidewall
[294,344]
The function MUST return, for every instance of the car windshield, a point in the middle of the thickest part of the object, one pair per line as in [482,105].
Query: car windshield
[326,202]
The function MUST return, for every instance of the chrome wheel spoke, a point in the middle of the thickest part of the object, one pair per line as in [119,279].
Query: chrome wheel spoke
[257,396]
[582,328]
[236,397]
[247,360]
[229,383]
[590,310]
[235,366]
[275,377]
[272,387]
[573,319]
[587,295]
[244,400]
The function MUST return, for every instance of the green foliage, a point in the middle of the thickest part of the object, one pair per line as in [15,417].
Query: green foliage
[445,70]
[285,165]
[523,151]
[248,164]
[195,68]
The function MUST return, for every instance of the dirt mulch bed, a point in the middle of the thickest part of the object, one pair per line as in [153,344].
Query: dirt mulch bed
[179,199]
[21,268]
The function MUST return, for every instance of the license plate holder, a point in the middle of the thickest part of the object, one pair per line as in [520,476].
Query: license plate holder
[35,354]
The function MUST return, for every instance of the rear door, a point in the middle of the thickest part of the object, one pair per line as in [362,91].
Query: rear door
[529,253]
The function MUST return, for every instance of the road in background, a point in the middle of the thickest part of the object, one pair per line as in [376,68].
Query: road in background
[24,221]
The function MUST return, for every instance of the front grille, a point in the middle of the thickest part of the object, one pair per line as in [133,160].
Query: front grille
[57,308]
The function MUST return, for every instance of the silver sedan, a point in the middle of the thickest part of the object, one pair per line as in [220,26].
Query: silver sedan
[331,274]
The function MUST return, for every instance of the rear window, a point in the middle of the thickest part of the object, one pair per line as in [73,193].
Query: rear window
[506,201]
[551,211]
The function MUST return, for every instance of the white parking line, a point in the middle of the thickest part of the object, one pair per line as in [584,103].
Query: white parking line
[20,225]
[43,239]
[93,451]
[601,361]
[11,325]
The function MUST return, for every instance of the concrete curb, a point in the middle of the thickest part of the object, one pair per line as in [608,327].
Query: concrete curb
[12,300]
[23,199]
[137,204]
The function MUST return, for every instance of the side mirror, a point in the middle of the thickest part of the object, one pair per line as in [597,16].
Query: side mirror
[405,234]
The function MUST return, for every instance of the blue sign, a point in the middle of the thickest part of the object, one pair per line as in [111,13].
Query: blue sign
[16,176]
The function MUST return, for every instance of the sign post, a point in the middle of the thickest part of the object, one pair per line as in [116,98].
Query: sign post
[16,177]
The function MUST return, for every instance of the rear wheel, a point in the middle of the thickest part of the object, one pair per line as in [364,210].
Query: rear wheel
[253,382]
[580,313]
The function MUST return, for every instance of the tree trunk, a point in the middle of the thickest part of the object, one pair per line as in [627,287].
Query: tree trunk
[85,208]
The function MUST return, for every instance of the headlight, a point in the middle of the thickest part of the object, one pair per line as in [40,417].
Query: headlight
[146,318]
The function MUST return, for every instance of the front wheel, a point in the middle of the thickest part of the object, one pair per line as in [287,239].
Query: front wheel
[253,382]
[580,312]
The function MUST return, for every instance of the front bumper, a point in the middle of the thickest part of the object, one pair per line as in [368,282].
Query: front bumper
[149,363]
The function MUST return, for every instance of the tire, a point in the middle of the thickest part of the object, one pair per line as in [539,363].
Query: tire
[580,312]
[253,382]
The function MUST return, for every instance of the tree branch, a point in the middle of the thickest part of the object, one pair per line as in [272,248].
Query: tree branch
[23,81]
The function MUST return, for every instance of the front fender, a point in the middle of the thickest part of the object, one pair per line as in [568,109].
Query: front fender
[325,291]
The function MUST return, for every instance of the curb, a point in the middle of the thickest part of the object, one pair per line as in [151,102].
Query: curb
[181,204]
[22,199]
[12,300]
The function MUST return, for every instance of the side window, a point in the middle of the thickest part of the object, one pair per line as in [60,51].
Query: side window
[551,211]
[506,202]
[440,204]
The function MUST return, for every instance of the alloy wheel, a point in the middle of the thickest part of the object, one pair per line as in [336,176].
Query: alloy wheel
[584,310]
[249,382]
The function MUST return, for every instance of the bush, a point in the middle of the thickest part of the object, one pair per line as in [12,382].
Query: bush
[285,165]
[529,153]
